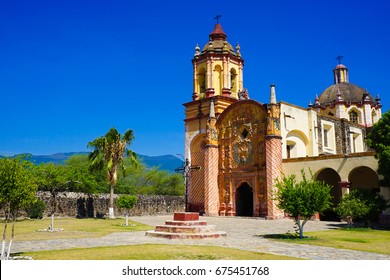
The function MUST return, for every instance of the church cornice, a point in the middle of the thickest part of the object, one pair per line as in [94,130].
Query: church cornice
[325,157]
[217,56]
[215,97]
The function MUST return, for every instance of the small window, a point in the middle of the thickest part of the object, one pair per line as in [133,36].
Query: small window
[244,134]
[373,117]
[353,145]
[289,148]
[353,117]
[326,141]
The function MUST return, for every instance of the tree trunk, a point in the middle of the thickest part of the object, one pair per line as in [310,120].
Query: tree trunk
[300,227]
[127,218]
[111,207]
[12,236]
[113,179]
[52,222]
[53,209]
[3,244]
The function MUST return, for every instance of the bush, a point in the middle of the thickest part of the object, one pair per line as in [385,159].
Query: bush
[374,202]
[351,208]
[127,202]
[35,211]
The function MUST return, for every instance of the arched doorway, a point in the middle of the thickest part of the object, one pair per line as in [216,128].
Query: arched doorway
[244,201]
[364,178]
[332,178]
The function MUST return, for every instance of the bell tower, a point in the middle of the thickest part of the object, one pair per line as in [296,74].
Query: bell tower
[217,83]
[217,67]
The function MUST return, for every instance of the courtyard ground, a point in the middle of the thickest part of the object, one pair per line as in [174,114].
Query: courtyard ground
[242,233]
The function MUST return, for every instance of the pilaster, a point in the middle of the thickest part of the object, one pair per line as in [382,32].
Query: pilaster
[273,147]
[211,194]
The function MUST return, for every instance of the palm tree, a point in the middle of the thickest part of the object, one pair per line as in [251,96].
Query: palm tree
[108,154]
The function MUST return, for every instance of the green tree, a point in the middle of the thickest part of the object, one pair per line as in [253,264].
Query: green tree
[127,202]
[17,192]
[108,155]
[351,208]
[90,181]
[53,178]
[378,139]
[151,182]
[302,200]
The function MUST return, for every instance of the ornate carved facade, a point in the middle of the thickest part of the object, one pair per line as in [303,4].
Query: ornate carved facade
[242,129]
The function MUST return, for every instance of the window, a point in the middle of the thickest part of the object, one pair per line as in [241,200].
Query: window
[289,148]
[328,138]
[326,134]
[373,117]
[353,148]
[353,117]
[356,141]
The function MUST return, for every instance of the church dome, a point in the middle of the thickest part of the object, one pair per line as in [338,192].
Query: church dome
[349,93]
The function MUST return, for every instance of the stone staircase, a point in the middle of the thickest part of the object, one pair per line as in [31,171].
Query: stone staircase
[186,225]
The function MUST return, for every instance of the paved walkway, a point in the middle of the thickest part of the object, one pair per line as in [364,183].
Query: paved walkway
[242,233]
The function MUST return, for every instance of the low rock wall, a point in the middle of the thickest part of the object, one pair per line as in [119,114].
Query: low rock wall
[80,205]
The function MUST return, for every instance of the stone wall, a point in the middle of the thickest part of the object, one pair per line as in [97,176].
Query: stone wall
[342,128]
[69,204]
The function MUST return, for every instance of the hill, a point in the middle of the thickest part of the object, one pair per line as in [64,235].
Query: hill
[164,162]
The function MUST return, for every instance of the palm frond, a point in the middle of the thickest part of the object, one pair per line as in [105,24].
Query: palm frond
[128,137]
[132,156]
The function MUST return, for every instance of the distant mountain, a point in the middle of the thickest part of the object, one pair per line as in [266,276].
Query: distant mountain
[165,162]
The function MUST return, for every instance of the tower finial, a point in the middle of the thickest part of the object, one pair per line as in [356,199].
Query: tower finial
[217,17]
[339,58]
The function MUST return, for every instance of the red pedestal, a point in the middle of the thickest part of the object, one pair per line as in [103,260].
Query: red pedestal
[186,216]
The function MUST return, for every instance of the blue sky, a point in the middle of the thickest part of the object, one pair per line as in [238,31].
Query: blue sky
[71,70]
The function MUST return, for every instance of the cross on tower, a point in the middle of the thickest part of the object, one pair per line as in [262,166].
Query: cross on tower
[217,17]
[339,58]
[186,170]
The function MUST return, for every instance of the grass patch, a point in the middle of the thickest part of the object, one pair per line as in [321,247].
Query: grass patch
[26,230]
[361,239]
[153,252]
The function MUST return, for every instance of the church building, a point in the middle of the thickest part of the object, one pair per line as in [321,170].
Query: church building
[243,145]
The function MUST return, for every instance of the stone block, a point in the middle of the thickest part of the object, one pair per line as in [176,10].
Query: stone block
[186,216]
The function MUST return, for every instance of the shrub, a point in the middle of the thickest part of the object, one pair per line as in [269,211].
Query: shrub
[351,208]
[374,202]
[127,202]
[35,211]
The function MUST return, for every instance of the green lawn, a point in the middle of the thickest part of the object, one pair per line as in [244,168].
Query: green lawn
[361,239]
[376,241]
[81,228]
[153,252]
[72,228]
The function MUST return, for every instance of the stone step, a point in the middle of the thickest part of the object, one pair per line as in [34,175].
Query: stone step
[185,223]
[172,235]
[185,229]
